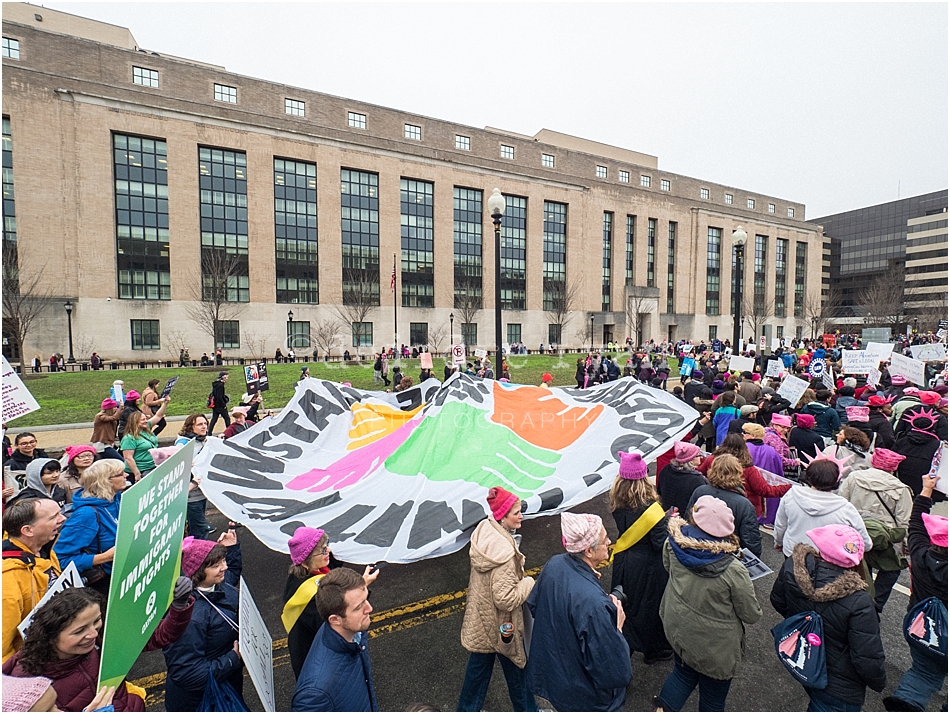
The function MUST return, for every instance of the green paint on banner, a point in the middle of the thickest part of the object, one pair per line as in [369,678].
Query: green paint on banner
[147,562]
[461,444]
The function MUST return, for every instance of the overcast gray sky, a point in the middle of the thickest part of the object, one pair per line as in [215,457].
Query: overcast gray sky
[839,106]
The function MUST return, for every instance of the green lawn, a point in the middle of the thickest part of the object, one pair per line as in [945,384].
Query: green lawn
[74,397]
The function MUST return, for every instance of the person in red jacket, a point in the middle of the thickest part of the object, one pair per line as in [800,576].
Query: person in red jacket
[756,488]
[62,643]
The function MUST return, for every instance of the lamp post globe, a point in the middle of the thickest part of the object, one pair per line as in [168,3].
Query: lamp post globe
[739,237]
[496,208]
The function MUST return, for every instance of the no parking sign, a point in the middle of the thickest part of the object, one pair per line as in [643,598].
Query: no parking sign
[458,354]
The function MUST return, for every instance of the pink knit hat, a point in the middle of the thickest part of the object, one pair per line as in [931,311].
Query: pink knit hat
[805,421]
[240,410]
[193,554]
[929,398]
[781,420]
[857,414]
[579,531]
[711,515]
[500,502]
[936,528]
[885,459]
[303,542]
[109,403]
[632,466]
[838,544]
[132,395]
[73,451]
[683,451]
[898,379]
[20,694]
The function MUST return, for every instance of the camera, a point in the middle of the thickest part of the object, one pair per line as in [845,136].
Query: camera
[618,593]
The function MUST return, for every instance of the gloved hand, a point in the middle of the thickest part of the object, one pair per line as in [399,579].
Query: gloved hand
[182,596]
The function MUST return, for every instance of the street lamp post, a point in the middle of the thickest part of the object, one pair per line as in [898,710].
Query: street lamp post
[592,332]
[915,325]
[290,319]
[496,207]
[738,242]
[69,329]
[451,330]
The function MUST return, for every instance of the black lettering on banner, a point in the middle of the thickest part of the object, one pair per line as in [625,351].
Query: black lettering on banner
[551,499]
[259,441]
[464,388]
[317,409]
[383,530]
[278,509]
[246,472]
[288,425]
[335,528]
[346,397]
[431,520]
[409,399]
[591,479]
[472,513]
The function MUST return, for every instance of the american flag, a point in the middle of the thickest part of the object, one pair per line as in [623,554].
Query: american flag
[392,281]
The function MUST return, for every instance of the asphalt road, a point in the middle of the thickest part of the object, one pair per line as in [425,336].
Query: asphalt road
[417,655]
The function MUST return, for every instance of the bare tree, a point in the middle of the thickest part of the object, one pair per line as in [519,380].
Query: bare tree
[468,298]
[326,335]
[26,296]
[561,301]
[820,311]
[929,312]
[756,312]
[436,336]
[639,302]
[213,290]
[255,343]
[884,300]
[174,342]
[360,296]
[585,334]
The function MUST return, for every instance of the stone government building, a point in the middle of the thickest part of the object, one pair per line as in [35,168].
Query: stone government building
[135,180]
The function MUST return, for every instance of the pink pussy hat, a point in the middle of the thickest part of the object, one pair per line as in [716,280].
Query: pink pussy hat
[579,531]
[683,451]
[936,528]
[193,554]
[841,545]
[781,420]
[303,542]
[632,466]
[500,502]
[885,459]
[711,515]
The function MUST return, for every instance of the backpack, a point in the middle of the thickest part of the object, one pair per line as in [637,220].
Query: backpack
[210,402]
[800,645]
[925,627]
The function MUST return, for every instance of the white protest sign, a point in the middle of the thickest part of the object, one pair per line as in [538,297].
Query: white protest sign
[17,400]
[792,389]
[481,354]
[70,578]
[938,468]
[874,377]
[910,368]
[458,354]
[828,378]
[936,351]
[774,368]
[858,361]
[257,648]
[741,364]
[942,333]
[882,350]
[776,343]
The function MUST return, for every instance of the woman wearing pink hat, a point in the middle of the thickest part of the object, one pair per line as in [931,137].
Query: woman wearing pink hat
[776,436]
[104,428]
[680,477]
[803,437]
[78,459]
[638,559]
[884,503]
[310,560]
[927,542]
[707,604]
[823,575]
[493,626]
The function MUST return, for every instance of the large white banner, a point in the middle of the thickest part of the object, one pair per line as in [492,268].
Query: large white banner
[936,351]
[908,367]
[257,648]
[17,400]
[858,361]
[403,477]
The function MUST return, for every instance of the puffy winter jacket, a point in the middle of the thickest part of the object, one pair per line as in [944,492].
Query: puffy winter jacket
[497,588]
[879,424]
[826,418]
[92,526]
[26,578]
[337,676]
[734,495]
[708,600]
[855,653]
[804,508]
[879,495]
[928,565]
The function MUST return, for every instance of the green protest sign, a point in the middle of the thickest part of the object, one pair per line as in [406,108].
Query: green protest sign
[146,565]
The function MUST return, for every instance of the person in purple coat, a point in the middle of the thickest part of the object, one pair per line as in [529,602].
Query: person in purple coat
[763,455]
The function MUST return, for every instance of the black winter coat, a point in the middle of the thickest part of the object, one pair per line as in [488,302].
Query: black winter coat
[807,441]
[640,571]
[919,449]
[855,653]
[746,521]
[676,487]
[928,568]
[691,391]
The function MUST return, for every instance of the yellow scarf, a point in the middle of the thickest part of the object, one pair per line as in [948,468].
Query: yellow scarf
[649,518]
[295,606]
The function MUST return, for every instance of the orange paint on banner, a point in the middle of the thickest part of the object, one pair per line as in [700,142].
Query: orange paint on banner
[540,418]
[374,421]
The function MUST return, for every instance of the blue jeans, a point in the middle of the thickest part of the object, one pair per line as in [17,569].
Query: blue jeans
[819,701]
[197,524]
[925,677]
[683,680]
[478,676]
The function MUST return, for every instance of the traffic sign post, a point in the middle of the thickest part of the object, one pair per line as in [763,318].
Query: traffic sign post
[458,354]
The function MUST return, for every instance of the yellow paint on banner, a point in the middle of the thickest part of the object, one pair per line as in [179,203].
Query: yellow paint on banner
[374,421]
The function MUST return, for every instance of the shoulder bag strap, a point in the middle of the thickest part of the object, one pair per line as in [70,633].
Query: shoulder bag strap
[649,518]
[232,623]
[887,508]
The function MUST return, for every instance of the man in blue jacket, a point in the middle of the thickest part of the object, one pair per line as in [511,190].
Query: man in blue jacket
[579,659]
[337,675]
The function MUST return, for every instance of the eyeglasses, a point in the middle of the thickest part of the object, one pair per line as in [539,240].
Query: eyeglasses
[121,475]
[26,443]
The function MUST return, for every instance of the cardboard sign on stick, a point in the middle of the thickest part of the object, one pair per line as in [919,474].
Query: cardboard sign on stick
[17,400]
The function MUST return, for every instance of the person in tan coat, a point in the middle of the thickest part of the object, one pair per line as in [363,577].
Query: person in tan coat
[494,622]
